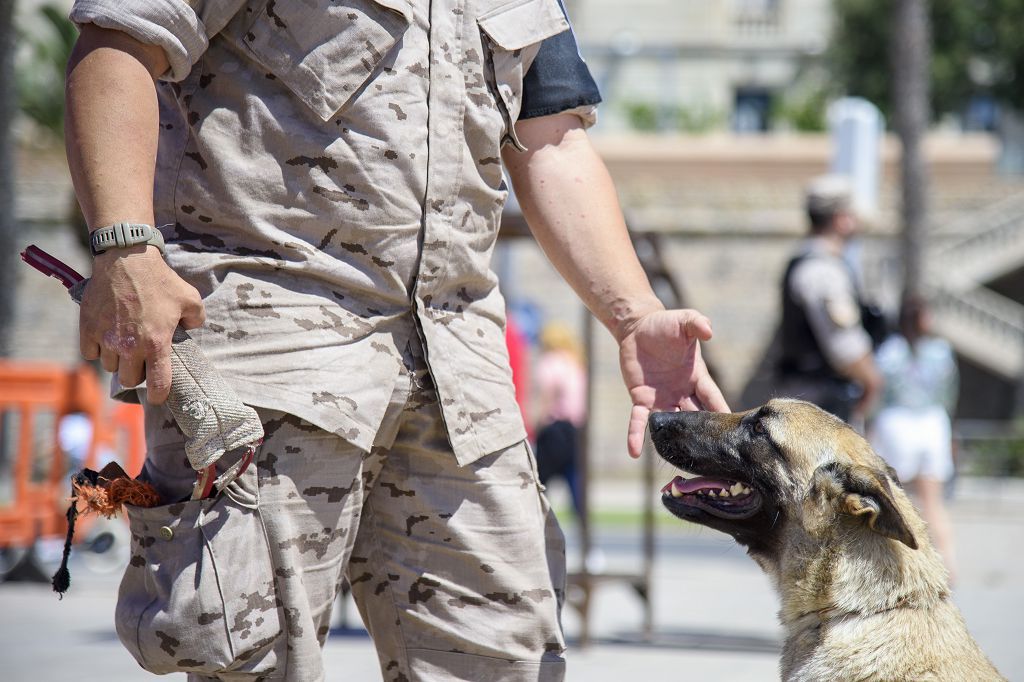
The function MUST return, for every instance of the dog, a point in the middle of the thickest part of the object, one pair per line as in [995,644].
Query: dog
[864,594]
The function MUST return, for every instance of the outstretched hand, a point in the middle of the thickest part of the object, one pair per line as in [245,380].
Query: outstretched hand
[663,369]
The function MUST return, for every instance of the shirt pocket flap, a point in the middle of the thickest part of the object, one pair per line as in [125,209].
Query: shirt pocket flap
[515,25]
[325,56]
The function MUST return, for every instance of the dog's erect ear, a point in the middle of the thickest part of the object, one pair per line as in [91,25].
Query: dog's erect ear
[864,491]
[889,469]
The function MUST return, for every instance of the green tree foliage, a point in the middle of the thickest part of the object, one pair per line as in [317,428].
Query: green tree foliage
[40,73]
[803,111]
[39,79]
[1002,43]
[976,46]
[648,117]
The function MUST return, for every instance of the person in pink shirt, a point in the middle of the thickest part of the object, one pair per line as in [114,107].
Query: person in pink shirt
[561,380]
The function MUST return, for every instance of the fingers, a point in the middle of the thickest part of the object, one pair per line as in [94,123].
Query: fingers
[696,325]
[706,394]
[130,371]
[688,404]
[88,344]
[709,395]
[637,429]
[193,314]
[158,379]
[90,349]
[135,357]
[109,359]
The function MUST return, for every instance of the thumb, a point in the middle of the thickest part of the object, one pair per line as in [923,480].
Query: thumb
[697,325]
[193,314]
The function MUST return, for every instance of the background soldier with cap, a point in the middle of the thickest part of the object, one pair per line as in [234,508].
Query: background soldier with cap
[826,351]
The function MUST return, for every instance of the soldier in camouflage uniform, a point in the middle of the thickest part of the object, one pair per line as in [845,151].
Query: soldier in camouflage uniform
[328,178]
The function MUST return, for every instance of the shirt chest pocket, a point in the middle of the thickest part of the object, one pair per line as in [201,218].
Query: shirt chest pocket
[514,31]
[325,51]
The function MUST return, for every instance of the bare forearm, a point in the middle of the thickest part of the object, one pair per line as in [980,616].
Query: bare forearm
[134,300]
[111,125]
[569,201]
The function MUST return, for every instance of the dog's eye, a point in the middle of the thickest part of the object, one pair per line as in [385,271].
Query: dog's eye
[759,428]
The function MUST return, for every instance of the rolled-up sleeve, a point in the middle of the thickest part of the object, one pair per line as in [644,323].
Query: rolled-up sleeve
[182,29]
[559,81]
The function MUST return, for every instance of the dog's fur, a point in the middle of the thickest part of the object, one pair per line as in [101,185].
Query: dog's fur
[864,595]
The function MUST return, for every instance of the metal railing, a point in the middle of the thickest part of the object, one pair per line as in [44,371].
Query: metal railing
[983,245]
[981,324]
[984,326]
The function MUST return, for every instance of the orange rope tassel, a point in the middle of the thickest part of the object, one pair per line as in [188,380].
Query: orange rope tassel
[100,493]
[112,489]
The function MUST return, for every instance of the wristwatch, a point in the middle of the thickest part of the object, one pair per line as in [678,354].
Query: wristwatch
[122,235]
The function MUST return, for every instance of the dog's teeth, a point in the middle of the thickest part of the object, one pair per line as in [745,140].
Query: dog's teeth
[676,492]
[724,493]
[746,490]
[712,493]
[736,488]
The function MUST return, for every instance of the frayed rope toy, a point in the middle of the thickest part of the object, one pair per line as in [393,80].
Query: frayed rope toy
[101,492]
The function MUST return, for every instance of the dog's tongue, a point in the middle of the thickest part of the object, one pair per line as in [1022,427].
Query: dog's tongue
[692,485]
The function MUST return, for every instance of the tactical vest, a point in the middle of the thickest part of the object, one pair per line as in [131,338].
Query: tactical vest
[801,353]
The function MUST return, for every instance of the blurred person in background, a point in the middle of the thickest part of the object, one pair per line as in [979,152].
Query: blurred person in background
[518,346]
[912,429]
[826,353]
[561,378]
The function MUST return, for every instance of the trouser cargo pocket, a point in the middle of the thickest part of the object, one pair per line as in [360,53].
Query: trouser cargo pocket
[198,594]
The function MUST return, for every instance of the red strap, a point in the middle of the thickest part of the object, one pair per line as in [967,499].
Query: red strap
[204,482]
[48,265]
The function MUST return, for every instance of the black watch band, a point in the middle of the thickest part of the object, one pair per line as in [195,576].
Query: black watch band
[123,235]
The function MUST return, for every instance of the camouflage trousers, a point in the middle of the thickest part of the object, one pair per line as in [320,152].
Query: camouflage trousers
[458,572]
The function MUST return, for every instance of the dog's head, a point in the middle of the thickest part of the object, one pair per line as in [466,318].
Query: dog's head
[777,475]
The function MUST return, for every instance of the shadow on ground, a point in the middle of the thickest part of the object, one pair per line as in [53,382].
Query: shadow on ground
[665,638]
[694,640]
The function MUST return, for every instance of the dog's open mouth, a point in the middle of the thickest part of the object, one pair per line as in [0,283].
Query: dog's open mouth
[719,497]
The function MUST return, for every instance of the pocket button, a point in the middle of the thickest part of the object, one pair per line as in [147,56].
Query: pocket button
[167,533]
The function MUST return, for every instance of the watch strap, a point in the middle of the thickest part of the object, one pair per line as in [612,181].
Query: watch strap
[123,235]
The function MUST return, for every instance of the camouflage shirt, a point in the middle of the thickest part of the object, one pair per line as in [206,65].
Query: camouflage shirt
[329,179]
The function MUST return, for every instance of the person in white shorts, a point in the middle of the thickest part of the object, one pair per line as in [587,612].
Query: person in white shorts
[912,430]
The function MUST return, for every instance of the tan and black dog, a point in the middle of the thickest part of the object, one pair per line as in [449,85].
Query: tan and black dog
[864,594]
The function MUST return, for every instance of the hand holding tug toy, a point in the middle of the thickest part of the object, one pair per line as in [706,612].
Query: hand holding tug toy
[207,411]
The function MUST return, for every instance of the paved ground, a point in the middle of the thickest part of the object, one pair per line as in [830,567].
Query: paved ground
[714,611]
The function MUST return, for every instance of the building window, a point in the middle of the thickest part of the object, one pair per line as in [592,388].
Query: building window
[754,17]
[752,110]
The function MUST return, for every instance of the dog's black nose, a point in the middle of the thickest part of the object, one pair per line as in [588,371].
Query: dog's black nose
[677,422]
[659,420]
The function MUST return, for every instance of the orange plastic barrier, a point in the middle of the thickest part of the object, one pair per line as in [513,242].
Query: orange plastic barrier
[125,435]
[31,393]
